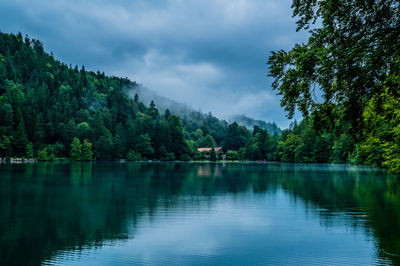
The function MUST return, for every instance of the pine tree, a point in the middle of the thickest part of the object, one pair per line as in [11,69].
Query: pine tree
[29,150]
[20,139]
[167,113]
[6,119]
[5,146]
[152,111]
[10,69]
[39,133]
[83,80]
[3,74]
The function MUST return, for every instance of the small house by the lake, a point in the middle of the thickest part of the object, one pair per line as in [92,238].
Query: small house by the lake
[218,150]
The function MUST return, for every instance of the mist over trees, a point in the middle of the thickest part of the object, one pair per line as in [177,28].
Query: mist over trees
[248,122]
[50,110]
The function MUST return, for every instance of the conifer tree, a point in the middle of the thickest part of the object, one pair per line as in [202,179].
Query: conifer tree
[29,150]
[20,139]
[39,133]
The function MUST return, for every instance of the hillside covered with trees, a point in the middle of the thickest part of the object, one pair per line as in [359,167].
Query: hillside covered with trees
[51,110]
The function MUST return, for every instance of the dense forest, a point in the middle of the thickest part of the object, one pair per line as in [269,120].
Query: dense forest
[352,57]
[51,110]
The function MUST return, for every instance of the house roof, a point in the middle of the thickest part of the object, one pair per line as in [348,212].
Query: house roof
[209,149]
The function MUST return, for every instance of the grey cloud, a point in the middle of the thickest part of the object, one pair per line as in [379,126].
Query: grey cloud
[210,54]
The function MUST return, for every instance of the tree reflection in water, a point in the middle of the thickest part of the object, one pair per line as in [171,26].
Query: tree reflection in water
[50,207]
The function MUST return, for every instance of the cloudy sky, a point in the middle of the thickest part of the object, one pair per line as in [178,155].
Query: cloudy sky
[210,54]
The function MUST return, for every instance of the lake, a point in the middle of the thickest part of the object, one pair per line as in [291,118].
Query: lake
[197,214]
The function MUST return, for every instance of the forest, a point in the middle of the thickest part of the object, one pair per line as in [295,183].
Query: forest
[352,59]
[50,110]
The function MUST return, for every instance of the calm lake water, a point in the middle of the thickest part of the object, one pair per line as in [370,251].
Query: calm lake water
[197,214]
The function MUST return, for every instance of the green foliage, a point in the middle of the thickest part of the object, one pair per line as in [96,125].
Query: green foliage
[341,149]
[133,156]
[52,151]
[242,153]
[350,50]
[76,150]
[45,102]
[56,150]
[144,147]
[6,117]
[53,107]
[87,154]
[261,146]
[271,128]
[20,139]
[163,153]
[232,155]
[5,146]
[302,144]
[236,137]
[48,103]
[39,132]
[323,148]
[84,131]
[29,150]
[118,147]
[213,155]
[184,157]
[381,146]
[178,146]
[152,111]
[42,154]
[206,142]
[287,148]
[352,55]
[191,147]
[102,148]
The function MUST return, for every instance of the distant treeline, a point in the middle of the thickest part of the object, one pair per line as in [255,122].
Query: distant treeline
[248,122]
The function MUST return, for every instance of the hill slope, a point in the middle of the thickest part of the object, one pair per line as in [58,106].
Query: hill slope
[49,109]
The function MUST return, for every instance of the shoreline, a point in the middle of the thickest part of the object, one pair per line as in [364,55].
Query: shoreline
[124,161]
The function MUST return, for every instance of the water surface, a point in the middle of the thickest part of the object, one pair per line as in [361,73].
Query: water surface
[197,214]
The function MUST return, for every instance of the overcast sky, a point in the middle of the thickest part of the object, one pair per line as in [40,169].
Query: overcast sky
[210,54]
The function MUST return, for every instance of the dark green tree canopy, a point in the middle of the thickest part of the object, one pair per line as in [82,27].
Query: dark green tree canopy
[45,106]
[352,46]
